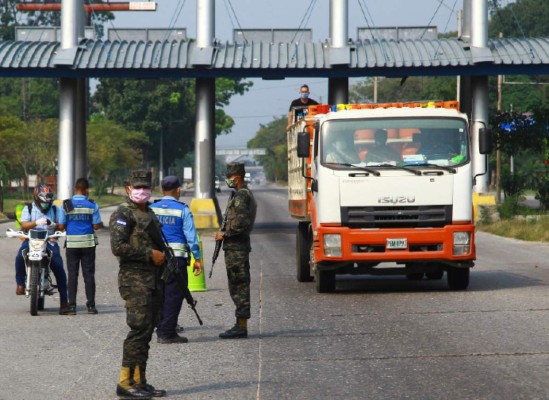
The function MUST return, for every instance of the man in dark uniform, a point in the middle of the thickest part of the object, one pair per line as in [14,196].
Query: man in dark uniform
[302,102]
[240,216]
[180,232]
[139,283]
[80,216]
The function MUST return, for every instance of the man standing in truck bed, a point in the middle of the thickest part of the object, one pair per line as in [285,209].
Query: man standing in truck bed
[303,101]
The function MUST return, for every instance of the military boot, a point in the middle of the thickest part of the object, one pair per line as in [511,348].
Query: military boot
[240,330]
[140,379]
[126,389]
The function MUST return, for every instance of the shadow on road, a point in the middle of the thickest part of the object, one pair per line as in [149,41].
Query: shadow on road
[480,281]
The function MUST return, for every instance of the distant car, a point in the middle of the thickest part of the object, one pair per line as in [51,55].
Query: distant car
[217,184]
[248,178]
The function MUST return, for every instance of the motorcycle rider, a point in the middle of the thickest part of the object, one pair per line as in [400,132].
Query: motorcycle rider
[42,214]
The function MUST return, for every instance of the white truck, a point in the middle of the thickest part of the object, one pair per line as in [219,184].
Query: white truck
[384,183]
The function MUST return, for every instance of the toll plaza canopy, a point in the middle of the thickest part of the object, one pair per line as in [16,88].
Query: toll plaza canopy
[268,60]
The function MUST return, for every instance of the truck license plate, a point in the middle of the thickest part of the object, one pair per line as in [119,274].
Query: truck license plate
[397,244]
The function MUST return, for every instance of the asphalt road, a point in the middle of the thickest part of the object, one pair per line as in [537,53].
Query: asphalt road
[375,338]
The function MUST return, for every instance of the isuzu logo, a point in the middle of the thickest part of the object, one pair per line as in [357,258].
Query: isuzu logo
[396,199]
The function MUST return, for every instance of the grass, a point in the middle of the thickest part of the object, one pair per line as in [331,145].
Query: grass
[530,229]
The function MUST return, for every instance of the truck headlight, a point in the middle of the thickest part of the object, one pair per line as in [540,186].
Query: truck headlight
[332,245]
[462,242]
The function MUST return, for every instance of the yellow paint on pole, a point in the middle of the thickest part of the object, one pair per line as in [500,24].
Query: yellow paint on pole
[482,199]
[204,214]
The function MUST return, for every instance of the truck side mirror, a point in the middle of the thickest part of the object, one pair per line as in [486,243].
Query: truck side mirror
[485,141]
[303,144]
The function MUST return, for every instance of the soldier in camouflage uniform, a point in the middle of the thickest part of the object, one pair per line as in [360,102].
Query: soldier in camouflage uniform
[139,283]
[240,216]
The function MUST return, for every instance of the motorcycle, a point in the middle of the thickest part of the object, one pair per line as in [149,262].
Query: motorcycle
[37,257]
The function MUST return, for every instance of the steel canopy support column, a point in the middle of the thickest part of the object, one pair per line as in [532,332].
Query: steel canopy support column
[465,96]
[204,204]
[204,145]
[80,137]
[71,19]
[338,88]
[479,88]
[65,166]
[80,140]
[205,23]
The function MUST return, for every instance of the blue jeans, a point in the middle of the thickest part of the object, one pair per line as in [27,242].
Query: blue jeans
[56,266]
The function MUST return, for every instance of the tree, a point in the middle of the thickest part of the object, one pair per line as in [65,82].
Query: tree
[29,98]
[273,138]
[163,108]
[113,150]
[525,136]
[519,19]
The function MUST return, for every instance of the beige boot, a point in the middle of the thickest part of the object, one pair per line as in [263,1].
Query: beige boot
[125,388]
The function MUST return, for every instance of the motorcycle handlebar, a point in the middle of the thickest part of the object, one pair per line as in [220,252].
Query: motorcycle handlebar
[20,234]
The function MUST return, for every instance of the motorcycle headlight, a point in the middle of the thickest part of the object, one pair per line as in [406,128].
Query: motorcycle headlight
[35,244]
[332,245]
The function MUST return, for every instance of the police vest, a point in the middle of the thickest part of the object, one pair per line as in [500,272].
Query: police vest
[79,224]
[170,213]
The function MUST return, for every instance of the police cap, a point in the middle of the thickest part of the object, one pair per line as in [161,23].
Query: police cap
[235,169]
[170,182]
[140,178]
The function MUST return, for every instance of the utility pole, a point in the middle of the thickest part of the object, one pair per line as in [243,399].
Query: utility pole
[498,151]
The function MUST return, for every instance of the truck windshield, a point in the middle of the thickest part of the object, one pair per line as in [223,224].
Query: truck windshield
[397,141]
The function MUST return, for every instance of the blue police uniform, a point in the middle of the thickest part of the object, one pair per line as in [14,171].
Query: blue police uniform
[178,227]
[80,245]
[56,264]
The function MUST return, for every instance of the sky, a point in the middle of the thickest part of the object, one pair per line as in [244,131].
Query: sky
[270,99]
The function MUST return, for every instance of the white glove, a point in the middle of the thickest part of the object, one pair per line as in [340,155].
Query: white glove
[41,221]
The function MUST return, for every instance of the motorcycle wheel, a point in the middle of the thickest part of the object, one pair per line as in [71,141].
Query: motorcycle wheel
[35,285]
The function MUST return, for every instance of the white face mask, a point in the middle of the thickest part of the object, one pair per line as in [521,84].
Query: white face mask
[141,195]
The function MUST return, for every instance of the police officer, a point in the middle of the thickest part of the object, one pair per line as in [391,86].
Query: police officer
[180,232]
[139,283]
[42,214]
[80,217]
[240,216]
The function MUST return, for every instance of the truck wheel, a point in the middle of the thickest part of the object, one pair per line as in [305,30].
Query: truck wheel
[435,275]
[303,253]
[413,276]
[458,278]
[325,281]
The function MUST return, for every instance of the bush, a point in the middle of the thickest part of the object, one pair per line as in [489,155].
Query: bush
[510,206]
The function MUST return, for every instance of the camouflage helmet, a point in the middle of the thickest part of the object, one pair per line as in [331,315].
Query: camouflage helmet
[140,178]
[235,169]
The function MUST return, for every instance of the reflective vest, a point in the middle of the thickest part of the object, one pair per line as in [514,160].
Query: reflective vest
[79,224]
[170,213]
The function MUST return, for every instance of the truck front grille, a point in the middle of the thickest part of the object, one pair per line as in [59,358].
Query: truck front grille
[396,217]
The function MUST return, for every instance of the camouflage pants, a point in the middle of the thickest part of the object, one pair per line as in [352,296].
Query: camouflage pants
[238,274]
[143,309]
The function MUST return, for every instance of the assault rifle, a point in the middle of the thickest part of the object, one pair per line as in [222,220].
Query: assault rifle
[219,243]
[159,239]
